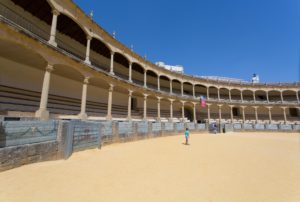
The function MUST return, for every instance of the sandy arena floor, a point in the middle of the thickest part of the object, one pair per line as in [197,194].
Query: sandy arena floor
[235,167]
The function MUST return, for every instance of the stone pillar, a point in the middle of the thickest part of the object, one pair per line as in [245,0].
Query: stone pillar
[42,112]
[82,115]
[243,112]
[218,94]
[194,95]
[220,113]
[284,114]
[181,88]
[129,104]
[158,83]
[130,72]
[242,99]
[207,93]
[194,110]
[158,108]
[145,107]
[297,97]
[208,112]
[182,110]
[281,96]
[231,112]
[171,109]
[171,87]
[109,103]
[254,98]
[52,40]
[267,94]
[229,95]
[256,115]
[88,47]
[270,114]
[145,78]
[112,63]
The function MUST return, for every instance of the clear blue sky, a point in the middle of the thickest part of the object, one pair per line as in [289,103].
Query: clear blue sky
[231,38]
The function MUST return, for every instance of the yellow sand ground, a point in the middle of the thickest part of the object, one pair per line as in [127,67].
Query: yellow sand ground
[226,168]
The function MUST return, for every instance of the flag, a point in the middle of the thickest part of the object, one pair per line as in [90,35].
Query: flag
[202,101]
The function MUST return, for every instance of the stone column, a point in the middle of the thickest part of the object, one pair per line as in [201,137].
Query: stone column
[281,96]
[171,109]
[208,112]
[52,40]
[218,94]
[243,112]
[229,95]
[158,83]
[42,112]
[194,95]
[82,115]
[231,112]
[182,110]
[88,47]
[220,113]
[267,94]
[171,87]
[194,110]
[158,108]
[181,88]
[145,107]
[297,97]
[130,72]
[207,93]
[254,98]
[256,115]
[284,114]
[242,99]
[112,63]
[270,114]
[109,103]
[145,78]
[129,104]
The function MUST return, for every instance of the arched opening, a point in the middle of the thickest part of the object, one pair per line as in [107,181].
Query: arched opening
[247,95]
[188,112]
[224,94]
[121,66]
[235,95]
[120,103]
[164,84]
[176,87]
[137,74]
[274,96]
[260,96]
[21,78]
[71,37]
[213,93]
[289,96]
[200,90]
[39,9]
[100,54]
[187,89]
[152,80]
[152,107]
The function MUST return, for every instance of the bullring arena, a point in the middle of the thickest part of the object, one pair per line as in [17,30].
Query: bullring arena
[66,85]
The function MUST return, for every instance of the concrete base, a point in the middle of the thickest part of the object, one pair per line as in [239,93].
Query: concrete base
[53,43]
[87,62]
[83,116]
[42,114]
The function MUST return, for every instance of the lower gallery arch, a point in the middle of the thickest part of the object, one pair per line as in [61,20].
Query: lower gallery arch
[201,113]
[189,112]
[277,114]
[21,79]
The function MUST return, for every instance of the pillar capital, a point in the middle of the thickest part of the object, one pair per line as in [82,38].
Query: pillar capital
[88,37]
[49,68]
[55,12]
[194,103]
[183,102]
[86,80]
[145,96]
[158,98]
[111,87]
[255,107]
[231,106]
[269,108]
[130,92]
[220,106]
[243,107]
[112,53]
[171,100]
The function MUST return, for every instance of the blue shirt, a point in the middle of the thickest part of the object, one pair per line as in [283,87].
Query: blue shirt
[187,133]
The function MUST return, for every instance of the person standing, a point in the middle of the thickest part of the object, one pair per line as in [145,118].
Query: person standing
[187,135]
